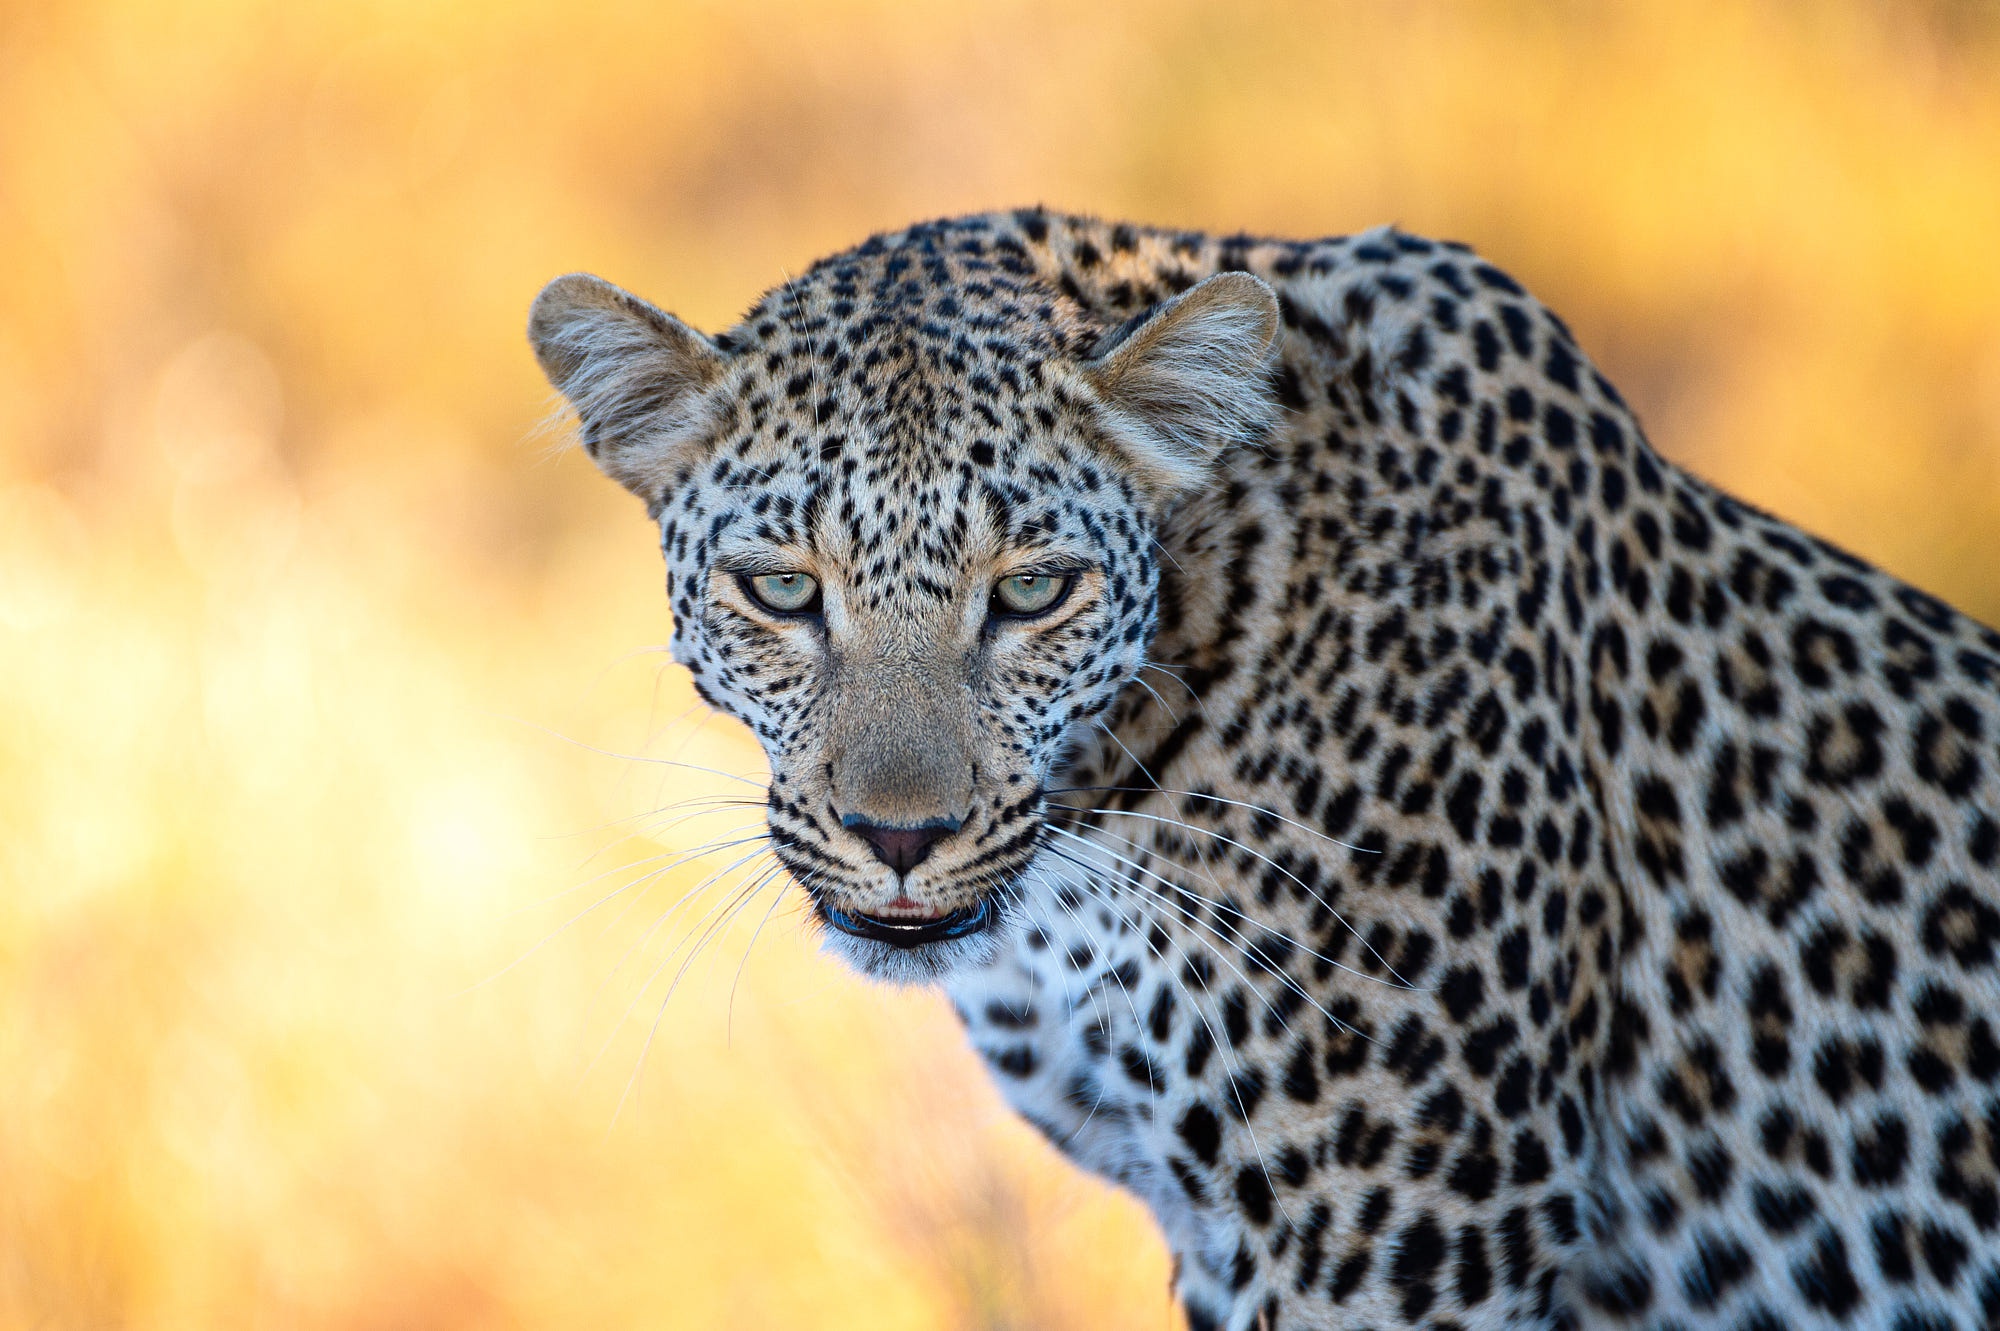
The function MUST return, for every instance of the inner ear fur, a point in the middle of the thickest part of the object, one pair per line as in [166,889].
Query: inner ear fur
[637,377]
[1188,379]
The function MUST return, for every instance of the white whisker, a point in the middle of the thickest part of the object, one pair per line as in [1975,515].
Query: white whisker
[1258,809]
[1309,890]
[1222,1047]
[1195,922]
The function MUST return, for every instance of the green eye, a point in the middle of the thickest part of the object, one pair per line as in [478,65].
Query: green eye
[784,593]
[1029,593]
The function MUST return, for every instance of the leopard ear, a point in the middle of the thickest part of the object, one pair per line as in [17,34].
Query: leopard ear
[1187,379]
[637,377]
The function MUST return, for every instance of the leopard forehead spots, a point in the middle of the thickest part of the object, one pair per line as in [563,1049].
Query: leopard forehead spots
[1455,867]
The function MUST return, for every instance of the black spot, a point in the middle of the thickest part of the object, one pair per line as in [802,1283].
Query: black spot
[1420,1250]
[1482,1049]
[1350,1273]
[1944,748]
[1476,1172]
[1620,1287]
[1017,1061]
[1510,1093]
[1782,1208]
[1242,1268]
[1710,1168]
[1531,1159]
[1473,1274]
[1880,1155]
[1983,842]
[1140,1069]
[1838,1064]
[1770,1021]
[1513,954]
[1824,1278]
[1889,1232]
[1009,1016]
[1361,1140]
[1374,1210]
[1944,1252]
[1253,1194]
[1413,1050]
[1200,1047]
[1718,1264]
[1463,991]
[1301,1082]
[1242,1094]
[1202,1131]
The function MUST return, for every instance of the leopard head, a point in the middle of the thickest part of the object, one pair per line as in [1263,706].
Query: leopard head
[909,511]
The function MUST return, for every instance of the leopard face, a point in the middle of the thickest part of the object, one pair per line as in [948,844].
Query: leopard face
[910,532]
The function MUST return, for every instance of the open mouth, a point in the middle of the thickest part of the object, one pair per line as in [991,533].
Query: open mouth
[912,931]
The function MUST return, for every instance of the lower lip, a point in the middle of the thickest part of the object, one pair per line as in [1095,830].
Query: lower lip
[916,933]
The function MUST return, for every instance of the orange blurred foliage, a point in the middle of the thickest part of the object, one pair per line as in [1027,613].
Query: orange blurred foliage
[318,660]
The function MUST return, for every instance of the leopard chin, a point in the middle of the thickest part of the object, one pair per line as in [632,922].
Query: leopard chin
[926,953]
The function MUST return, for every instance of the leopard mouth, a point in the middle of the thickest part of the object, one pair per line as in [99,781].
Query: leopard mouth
[913,931]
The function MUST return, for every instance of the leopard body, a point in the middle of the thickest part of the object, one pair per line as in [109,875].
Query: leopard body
[1456,867]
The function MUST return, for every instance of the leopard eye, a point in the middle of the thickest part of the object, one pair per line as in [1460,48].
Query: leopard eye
[1029,593]
[784,593]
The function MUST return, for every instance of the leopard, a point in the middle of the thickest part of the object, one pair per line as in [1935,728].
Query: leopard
[1456,867]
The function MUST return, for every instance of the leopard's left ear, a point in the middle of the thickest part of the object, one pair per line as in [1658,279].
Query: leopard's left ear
[637,376]
[1187,379]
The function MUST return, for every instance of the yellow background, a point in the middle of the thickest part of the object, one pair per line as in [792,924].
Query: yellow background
[318,658]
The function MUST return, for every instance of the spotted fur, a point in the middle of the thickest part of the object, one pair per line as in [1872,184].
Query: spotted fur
[1458,869]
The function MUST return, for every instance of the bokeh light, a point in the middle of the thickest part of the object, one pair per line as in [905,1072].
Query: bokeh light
[330,690]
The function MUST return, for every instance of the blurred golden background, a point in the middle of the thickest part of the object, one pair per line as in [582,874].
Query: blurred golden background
[328,685]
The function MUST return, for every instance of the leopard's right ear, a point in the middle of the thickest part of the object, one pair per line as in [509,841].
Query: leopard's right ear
[638,378]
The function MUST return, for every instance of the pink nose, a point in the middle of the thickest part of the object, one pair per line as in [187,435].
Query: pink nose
[901,848]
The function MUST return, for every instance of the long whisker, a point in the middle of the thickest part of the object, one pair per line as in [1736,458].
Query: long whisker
[1221,907]
[1201,704]
[714,919]
[667,820]
[566,925]
[736,903]
[1258,809]
[1197,927]
[686,897]
[1222,1047]
[675,905]
[1195,922]
[574,888]
[622,819]
[1400,982]
[729,1021]
[1156,781]
[1172,715]
[1152,1090]
[630,757]
[645,832]
[1311,892]
[1095,994]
